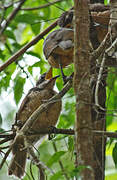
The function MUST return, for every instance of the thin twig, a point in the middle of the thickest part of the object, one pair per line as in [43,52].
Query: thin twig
[5,147]
[28,45]
[101,49]
[71,132]
[12,15]
[7,135]
[98,82]
[44,106]
[31,172]
[56,6]
[37,163]
[43,6]
[52,130]
[112,49]
[5,157]
[6,140]
[60,162]
[105,133]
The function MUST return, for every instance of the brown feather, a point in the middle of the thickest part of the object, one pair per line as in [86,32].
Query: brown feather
[49,117]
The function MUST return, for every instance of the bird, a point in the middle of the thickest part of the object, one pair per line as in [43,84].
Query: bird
[34,99]
[99,21]
[66,20]
[58,48]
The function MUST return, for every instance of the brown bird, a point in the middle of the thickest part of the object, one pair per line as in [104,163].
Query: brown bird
[34,99]
[99,21]
[58,48]
[66,20]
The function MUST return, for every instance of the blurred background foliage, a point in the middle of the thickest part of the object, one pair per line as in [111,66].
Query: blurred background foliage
[20,76]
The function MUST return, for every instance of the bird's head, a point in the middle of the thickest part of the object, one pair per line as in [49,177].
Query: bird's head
[46,81]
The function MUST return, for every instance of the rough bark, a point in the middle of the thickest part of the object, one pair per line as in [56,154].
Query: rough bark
[84,141]
[98,115]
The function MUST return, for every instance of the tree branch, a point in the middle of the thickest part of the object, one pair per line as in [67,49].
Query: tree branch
[37,162]
[23,49]
[44,106]
[55,130]
[98,82]
[12,15]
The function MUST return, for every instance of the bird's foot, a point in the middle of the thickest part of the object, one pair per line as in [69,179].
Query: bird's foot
[67,78]
[52,129]
[18,124]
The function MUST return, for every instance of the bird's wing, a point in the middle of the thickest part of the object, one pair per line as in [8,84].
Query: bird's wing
[26,101]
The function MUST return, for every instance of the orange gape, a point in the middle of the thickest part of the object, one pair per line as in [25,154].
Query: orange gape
[33,100]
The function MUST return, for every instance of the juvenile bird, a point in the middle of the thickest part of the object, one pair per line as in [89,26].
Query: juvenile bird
[58,48]
[33,100]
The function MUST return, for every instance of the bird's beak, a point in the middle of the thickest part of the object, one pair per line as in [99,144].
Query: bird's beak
[51,82]
[49,74]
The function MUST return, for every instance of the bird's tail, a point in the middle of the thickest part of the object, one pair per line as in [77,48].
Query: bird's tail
[17,165]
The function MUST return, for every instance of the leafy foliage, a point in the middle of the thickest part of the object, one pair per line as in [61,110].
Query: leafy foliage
[20,76]
[114,154]
[18,88]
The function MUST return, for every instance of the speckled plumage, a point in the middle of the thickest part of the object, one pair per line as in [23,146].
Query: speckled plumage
[31,102]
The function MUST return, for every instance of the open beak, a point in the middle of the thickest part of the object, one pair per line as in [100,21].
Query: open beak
[49,74]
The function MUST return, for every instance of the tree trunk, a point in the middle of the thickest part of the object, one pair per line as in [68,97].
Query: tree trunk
[82,49]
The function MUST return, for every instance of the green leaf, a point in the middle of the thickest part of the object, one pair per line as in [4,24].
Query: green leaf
[0,119]
[114,154]
[2,56]
[8,11]
[30,68]
[33,54]
[70,143]
[9,34]
[56,176]
[76,171]
[55,158]
[4,82]
[28,18]
[36,28]
[2,130]
[106,2]
[110,141]
[18,88]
